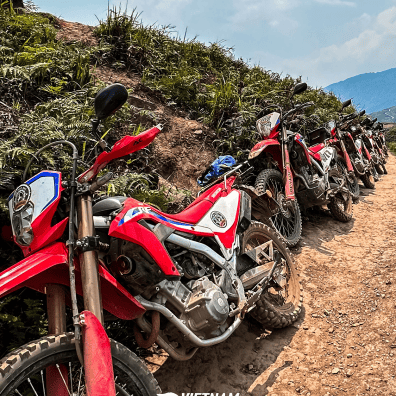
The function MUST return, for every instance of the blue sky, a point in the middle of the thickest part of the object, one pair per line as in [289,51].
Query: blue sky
[324,41]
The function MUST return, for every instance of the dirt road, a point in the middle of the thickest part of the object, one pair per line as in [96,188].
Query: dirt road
[343,343]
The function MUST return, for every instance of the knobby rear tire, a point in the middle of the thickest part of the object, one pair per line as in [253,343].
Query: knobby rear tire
[267,311]
[35,356]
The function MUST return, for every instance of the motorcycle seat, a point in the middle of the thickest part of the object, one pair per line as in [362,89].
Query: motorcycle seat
[197,209]
[106,205]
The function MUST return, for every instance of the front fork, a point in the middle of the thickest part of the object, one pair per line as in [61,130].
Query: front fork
[97,361]
[288,176]
[98,367]
[346,157]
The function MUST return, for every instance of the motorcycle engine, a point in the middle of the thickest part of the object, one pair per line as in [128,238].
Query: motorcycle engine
[203,306]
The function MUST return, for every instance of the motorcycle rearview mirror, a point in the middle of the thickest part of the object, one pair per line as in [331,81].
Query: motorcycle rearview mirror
[346,104]
[362,112]
[374,120]
[109,99]
[299,88]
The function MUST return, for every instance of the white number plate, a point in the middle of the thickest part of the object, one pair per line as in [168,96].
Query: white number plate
[326,155]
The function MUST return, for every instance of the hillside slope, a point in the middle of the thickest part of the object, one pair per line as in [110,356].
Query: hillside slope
[371,91]
[386,115]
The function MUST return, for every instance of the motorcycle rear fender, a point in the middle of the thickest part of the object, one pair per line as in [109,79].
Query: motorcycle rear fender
[271,146]
[50,266]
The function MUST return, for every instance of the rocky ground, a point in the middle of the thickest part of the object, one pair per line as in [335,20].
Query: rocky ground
[344,342]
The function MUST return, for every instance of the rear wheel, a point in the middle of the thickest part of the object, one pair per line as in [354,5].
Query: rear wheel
[280,305]
[341,207]
[24,371]
[287,222]
[368,180]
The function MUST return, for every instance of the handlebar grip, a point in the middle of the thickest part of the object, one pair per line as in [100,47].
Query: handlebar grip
[101,182]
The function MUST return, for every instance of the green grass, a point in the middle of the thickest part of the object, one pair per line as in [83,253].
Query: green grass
[206,80]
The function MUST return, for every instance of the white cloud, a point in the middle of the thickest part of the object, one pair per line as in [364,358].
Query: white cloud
[337,2]
[372,50]
[271,12]
[163,12]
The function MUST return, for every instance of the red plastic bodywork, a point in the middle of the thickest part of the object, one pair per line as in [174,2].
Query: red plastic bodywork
[50,266]
[271,146]
[133,232]
[136,233]
[99,378]
[44,234]
[274,132]
[314,151]
[367,153]
[126,145]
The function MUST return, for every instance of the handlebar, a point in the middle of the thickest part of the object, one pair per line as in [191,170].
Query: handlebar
[101,182]
[297,108]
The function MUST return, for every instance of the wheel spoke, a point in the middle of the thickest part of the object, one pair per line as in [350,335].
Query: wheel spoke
[71,379]
[42,381]
[57,366]
[79,381]
[31,385]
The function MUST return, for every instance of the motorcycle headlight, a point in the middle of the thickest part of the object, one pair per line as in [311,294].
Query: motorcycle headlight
[21,224]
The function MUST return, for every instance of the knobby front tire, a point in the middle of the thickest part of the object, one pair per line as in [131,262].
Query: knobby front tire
[24,369]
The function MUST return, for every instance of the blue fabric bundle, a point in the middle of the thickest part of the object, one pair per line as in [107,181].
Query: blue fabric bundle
[216,169]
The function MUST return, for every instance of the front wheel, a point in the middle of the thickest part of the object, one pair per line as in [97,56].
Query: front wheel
[25,371]
[287,222]
[280,305]
[374,173]
[378,168]
[351,180]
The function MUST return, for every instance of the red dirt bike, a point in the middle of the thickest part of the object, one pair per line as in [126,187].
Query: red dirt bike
[379,137]
[359,154]
[339,141]
[376,153]
[290,170]
[187,279]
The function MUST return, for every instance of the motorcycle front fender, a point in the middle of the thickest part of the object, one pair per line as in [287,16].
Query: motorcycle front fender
[50,266]
[271,146]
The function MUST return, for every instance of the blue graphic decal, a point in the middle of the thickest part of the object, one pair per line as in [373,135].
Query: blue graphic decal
[56,177]
[177,223]
[131,213]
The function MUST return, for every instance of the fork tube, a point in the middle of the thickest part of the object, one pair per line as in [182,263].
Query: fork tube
[88,260]
[56,309]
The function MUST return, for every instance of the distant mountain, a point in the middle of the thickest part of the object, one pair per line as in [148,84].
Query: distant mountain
[387,115]
[372,92]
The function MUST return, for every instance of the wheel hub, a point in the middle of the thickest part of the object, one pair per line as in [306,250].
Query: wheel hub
[284,206]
